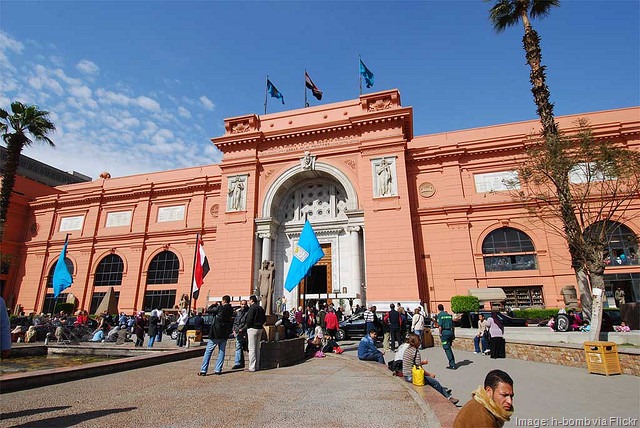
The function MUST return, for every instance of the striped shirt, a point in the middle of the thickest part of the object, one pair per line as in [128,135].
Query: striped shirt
[368,316]
[410,354]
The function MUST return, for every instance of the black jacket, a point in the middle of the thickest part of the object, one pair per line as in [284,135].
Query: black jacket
[240,321]
[256,316]
[222,322]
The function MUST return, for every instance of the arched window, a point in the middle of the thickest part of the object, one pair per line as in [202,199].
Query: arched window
[163,269]
[621,247]
[49,301]
[109,271]
[69,264]
[508,249]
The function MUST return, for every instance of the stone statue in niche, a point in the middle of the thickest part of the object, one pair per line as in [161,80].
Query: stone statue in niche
[385,178]
[236,191]
[266,278]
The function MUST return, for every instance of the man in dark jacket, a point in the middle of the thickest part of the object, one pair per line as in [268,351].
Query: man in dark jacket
[255,321]
[218,334]
[395,323]
[240,333]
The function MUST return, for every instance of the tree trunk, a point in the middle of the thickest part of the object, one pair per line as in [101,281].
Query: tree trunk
[597,282]
[584,291]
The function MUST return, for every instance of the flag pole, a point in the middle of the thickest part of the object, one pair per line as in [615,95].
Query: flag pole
[266,93]
[306,104]
[359,73]
[193,275]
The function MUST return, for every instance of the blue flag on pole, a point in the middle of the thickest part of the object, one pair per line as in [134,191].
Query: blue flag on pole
[305,255]
[61,275]
[274,92]
[367,74]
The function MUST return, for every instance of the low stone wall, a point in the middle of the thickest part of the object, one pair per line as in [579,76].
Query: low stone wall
[566,354]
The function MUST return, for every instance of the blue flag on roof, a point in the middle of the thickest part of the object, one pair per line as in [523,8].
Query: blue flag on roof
[367,74]
[274,92]
[61,275]
[305,255]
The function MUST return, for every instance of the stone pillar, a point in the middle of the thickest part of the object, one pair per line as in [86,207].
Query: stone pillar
[356,258]
[266,246]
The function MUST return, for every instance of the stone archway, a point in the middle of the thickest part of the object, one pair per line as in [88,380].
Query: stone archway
[328,200]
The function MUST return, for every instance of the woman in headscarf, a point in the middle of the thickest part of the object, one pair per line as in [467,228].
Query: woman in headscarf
[139,328]
[496,343]
[153,325]
[182,328]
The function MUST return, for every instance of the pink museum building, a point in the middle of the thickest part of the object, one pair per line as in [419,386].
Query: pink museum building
[401,218]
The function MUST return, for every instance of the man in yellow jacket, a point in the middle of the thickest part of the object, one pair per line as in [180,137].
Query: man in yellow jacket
[490,406]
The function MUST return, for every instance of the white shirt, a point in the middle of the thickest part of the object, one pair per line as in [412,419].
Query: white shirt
[400,352]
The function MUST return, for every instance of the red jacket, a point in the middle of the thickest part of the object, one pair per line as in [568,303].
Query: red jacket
[331,321]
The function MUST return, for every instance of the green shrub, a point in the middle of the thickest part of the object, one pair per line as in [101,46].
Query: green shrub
[460,304]
[534,314]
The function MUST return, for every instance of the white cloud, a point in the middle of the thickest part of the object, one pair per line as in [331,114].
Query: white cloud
[80,91]
[147,103]
[87,67]
[183,112]
[207,103]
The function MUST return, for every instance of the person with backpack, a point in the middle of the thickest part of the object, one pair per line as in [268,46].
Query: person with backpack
[219,332]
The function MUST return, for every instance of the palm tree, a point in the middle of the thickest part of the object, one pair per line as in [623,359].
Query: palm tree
[15,128]
[507,13]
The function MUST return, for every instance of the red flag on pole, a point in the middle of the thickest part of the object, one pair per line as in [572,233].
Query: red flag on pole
[201,270]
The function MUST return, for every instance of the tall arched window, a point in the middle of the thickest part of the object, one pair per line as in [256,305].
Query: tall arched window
[49,301]
[109,271]
[508,249]
[163,269]
[621,247]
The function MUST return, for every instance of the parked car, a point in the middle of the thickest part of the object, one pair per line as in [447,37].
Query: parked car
[507,321]
[354,327]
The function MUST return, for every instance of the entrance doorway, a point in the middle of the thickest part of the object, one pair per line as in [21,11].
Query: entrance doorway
[318,283]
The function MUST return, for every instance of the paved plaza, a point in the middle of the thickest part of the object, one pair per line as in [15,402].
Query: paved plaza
[335,391]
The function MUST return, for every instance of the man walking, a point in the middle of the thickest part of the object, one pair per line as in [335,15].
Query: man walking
[240,333]
[255,321]
[491,405]
[445,325]
[367,350]
[218,335]
[395,324]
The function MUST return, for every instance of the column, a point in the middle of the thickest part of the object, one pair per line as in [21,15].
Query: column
[266,246]
[356,259]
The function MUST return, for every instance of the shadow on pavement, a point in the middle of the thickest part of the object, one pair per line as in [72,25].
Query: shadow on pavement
[70,420]
[29,412]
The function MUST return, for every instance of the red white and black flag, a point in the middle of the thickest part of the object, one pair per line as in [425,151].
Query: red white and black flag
[201,269]
[314,89]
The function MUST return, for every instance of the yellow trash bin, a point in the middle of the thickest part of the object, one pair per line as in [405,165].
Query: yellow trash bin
[194,336]
[602,358]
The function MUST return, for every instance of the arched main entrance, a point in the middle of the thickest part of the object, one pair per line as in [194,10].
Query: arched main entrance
[326,198]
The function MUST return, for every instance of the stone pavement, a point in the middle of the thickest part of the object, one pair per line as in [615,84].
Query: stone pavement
[337,391]
[333,391]
[543,391]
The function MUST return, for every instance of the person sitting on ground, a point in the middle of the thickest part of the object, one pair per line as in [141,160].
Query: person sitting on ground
[367,350]
[491,405]
[396,365]
[112,336]
[98,336]
[290,329]
[585,327]
[412,356]
[622,328]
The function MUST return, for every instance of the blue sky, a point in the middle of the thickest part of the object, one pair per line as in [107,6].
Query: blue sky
[135,87]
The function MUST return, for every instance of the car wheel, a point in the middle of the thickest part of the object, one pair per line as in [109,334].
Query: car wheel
[174,334]
[340,334]
[562,322]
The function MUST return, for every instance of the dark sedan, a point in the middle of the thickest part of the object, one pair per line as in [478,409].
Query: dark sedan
[354,326]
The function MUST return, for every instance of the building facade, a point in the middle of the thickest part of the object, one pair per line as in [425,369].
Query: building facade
[400,218]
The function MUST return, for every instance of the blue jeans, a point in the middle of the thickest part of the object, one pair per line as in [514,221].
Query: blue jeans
[159,335]
[428,380]
[476,343]
[374,357]
[151,340]
[211,345]
[239,357]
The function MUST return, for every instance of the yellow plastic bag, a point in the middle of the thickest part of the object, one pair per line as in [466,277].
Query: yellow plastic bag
[417,375]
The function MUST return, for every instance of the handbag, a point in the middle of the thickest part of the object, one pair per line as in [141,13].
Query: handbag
[417,372]
[181,327]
